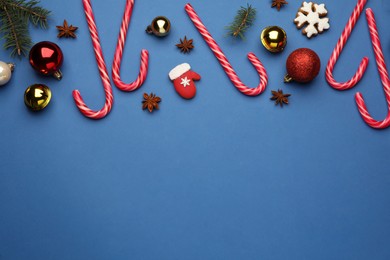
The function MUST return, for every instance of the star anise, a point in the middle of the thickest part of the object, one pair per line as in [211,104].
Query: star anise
[279,97]
[278,4]
[150,102]
[66,31]
[185,45]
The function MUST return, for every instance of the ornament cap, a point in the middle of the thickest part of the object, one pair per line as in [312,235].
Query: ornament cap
[11,66]
[287,78]
[149,29]
[57,74]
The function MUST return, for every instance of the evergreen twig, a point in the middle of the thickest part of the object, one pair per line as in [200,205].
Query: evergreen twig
[15,15]
[242,21]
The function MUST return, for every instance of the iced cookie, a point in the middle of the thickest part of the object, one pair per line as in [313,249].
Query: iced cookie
[312,15]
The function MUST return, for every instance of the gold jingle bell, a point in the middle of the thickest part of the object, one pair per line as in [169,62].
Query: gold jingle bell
[274,39]
[160,26]
[37,96]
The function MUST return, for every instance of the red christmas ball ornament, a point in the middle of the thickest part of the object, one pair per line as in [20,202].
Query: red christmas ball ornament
[303,65]
[46,58]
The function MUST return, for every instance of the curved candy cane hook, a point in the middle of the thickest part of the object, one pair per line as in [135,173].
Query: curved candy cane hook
[380,60]
[338,49]
[225,62]
[119,52]
[102,69]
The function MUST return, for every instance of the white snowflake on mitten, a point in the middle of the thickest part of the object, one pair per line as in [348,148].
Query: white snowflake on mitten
[313,15]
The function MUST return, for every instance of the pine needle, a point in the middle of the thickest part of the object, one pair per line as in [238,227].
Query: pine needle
[15,15]
[242,21]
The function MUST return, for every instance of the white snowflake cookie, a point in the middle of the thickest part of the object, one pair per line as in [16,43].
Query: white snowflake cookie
[312,15]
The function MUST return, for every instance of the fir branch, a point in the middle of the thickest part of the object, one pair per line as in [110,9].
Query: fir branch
[15,33]
[15,16]
[30,11]
[242,21]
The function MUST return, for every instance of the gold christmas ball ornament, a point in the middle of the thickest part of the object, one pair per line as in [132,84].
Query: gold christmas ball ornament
[37,96]
[160,26]
[274,38]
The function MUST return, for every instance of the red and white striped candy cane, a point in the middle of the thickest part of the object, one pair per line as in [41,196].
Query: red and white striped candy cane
[102,70]
[338,49]
[119,52]
[225,62]
[380,60]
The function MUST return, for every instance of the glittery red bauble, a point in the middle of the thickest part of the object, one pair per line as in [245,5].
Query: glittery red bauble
[46,58]
[303,65]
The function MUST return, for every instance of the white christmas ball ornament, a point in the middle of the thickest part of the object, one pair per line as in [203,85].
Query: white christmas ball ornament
[5,72]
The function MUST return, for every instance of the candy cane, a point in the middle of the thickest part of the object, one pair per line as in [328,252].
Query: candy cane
[102,69]
[380,60]
[119,52]
[338,49]
[225,62]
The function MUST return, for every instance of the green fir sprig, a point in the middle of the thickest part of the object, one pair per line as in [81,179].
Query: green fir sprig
[242,21]
[15,16]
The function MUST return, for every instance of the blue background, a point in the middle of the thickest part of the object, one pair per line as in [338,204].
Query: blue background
[222,176]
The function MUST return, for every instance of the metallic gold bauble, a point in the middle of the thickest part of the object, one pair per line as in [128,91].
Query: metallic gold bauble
[274,38]
[160,26]
[37,97]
